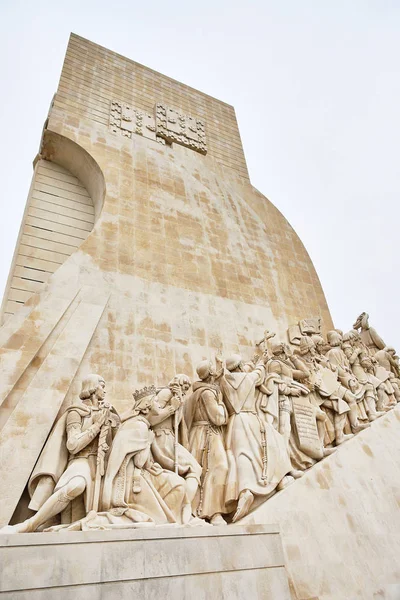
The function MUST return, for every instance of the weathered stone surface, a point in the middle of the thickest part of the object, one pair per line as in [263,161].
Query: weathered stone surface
[201,562]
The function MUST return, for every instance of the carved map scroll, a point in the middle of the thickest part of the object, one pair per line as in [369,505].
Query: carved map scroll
[174,126]
[306,427]
[127,120]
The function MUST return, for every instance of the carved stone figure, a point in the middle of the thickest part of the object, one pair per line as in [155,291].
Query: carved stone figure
[206,419]
[134,482]
[67,476]
[386,360]
[257,455]
[136,491]
[300,420]
[385,390]
[369,336]
[288,386]
[170,444]
[360,362]
[364,393]
[336,398]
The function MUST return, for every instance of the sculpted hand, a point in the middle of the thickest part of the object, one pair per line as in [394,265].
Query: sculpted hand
[265,357]
[295,392]
[353,385]
[176,402]
[101,416]
[175,388]
[288,350]
[105,404]
[219,358]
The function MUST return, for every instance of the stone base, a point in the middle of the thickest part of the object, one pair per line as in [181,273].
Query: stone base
[340,523]
[231,562]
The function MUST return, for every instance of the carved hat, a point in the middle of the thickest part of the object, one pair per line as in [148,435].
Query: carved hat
[204,369]
[306,344]
[142,398]
[233,361]
[278,348]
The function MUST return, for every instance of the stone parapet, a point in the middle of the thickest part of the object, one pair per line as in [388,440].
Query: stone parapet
[171,562]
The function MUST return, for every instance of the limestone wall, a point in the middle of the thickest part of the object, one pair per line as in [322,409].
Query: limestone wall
[194,260]
[93,76]
[340,523]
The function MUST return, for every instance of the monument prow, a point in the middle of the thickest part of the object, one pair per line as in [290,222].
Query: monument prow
[340,522]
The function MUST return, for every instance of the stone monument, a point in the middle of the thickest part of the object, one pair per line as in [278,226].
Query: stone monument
[152,439]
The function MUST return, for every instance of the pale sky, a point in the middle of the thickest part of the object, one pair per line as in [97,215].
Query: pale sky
[316,89]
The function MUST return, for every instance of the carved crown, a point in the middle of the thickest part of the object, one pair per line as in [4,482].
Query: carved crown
[143,392]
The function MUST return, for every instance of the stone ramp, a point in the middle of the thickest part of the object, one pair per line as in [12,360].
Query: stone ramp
[340,523]
[197,563]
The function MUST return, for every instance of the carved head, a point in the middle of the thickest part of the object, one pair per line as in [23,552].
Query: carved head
[352,336]
[390,349]
[205,369]
[367,364]
[334,338]
[143,400]
[319,343]
[234,363]
[362,321]
[279,350]
[183,381]
[307,346]
[93,384]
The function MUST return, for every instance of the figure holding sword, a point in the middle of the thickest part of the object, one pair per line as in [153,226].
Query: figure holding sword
[67,476]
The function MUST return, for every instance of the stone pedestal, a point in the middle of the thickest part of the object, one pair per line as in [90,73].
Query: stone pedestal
[340,523]
[173,562]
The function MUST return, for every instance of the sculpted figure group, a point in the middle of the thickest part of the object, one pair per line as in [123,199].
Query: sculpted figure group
[246,431]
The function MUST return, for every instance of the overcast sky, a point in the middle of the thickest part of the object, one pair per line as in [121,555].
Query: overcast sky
[316,89]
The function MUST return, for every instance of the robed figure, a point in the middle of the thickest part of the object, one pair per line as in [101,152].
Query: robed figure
[257,456]
[206,417]
[135,486]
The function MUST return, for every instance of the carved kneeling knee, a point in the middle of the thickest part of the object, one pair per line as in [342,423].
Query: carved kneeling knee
[74,488]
